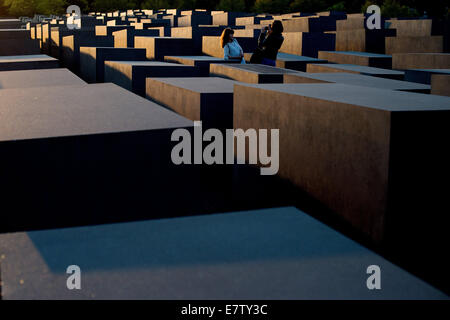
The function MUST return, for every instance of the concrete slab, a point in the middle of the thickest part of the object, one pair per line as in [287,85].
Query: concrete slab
[196,33]
[362,40]
[27,62]
[208,99]
[290,61]
[10,24]
[250,73]
[227,18]
[158,47]
[125,38]
[403,61]
[356,80]
[38,78]
[375,60]
[440,84]
[87,146]
[307,43]
[13,47]
[406,44]
[70,51]
[131,75]
[194,20]
[15,34]
[355,148]
[423,75]
[92,60]
[201,62]
[279,253]
[350,68]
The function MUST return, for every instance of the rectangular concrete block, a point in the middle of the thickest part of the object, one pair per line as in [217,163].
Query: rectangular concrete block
[356,80]
[291,61]
[351,68]
[227,18]
[184,258]
[92,60]
[125,38]
[27,62]
[10,24]
[158,47]
[208,99]
[423,75]
[88,146]
[196,33]
[307,44]
[360,58]
[194,20]
[108,30]
[71,44]
[440,84]
[6,34]
[201,62]
[358,151]
[13,47]
[131,75]
[412,28]
[404,61]
[38,78]
[433,44]
[363,40]
[244,21]
[250,73]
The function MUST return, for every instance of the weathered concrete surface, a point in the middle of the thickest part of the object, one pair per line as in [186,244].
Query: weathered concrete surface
[13,47]
[70,51]
[92,60]
[27,62]
[412,28]
[350,68]
[404,61]
[196,33]
[245,21]
[362,40]
[125,38]
[14,34]
[423,75]
[440,84]
[356,80]
[307,44]
[360,58]
[290,61]
[10,24]
[109,30]
[358,151]
[131,75]
[279,253]
[38,78]
[201,62]
[194,20]
[158,47]
[433,44]
[227,18]
[250,73]
[208,99]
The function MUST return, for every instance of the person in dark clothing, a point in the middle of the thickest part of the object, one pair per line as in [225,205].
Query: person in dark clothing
[269,42]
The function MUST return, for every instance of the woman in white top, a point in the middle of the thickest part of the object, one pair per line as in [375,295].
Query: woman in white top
[231,48]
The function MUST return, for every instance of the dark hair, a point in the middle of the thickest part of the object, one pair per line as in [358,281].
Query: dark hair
[225,37]
[277,27]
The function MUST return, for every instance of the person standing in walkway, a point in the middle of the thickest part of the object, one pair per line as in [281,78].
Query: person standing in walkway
[232,51]
[269,42]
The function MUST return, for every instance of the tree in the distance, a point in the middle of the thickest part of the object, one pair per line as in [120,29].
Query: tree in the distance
[231,5]
[268,6]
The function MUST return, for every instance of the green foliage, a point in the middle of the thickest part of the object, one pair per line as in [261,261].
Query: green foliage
[49,7]
[308,6]
[186,4]
[340,6]
[21,7]
[231,5]
[268,6]
[392,8]
[113,5]
[155,4]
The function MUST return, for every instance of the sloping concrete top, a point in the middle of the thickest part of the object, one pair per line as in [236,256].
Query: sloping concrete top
[388,100]
[195,58]
[38,78]
[277,253]
[25,58]
[258,68]
[149,63]
[79,110]
[443,71]
[364,80]
[362,69]
[293,57]
[362,54]
[202,85]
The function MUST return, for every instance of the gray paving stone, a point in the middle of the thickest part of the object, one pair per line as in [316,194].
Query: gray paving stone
[278,253]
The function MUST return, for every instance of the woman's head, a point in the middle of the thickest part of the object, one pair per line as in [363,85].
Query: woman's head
[276,27]
[226,37]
